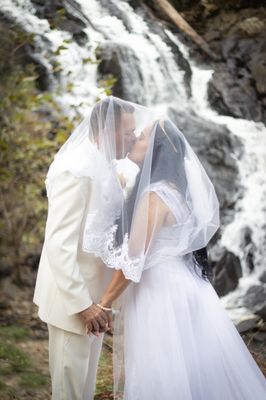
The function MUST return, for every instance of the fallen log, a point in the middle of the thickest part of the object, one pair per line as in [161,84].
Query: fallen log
[182,24]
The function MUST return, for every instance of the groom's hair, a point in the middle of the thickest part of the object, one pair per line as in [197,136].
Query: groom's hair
[109,110]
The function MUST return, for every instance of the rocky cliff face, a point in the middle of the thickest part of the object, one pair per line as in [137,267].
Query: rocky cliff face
[236,32]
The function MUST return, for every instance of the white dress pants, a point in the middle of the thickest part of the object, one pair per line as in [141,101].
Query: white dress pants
[73,363]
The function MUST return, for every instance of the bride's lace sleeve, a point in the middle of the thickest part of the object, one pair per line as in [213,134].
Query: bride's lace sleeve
[149,218]
[171,198]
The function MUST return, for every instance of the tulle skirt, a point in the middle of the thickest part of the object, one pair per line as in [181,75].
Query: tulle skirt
[179,342]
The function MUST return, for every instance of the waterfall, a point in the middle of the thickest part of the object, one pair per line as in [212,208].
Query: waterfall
[250,212]
[76,88]
[152,76]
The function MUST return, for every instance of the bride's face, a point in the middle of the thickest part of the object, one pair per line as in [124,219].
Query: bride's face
[138,151]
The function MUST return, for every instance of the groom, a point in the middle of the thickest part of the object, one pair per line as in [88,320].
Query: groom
[70,282]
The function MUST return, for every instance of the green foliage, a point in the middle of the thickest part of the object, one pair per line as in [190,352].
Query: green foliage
[33,380]
[29,137]
[14,332]
[104,382]
[26,151]
[2,385]
[58,18]
[16,367]
[32,128]
[89,60]
[15,360]
[107,83]
[12,44]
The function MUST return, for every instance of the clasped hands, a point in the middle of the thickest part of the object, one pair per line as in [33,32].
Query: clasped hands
[97,320]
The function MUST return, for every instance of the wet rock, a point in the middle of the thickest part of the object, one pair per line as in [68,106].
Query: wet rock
[257,66]
[256,294]
[262,277]
[247,323]
[237,31]
[215,146]
[116,60]
[112,8]
[238,86]
[255,299]
[229,4]
[248,248]
[260,337]
[250,26]
[182,63]
[227,272]
[65,15]
[260,310]
[234,95]
[81,38]
[24,54]
[44,79]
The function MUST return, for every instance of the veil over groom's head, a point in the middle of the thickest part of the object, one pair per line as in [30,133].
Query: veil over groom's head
[113,119]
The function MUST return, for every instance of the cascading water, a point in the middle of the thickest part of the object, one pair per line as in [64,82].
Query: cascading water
[151,76]
[76,88]
[250,212]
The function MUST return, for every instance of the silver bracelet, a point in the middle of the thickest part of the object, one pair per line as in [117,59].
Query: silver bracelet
[104,308]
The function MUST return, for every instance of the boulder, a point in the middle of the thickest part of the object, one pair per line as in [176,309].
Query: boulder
[235,95]
[247,323]
[227,272]
[214,145]
[255,298]
[115,61]
[62,14]
[262,277]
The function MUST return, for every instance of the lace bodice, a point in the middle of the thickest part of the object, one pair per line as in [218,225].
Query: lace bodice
[165,242]
[172,198]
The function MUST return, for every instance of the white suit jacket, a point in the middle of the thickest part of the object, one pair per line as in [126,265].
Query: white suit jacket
[68,280]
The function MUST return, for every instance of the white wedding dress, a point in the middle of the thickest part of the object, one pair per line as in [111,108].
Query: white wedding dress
[179,342]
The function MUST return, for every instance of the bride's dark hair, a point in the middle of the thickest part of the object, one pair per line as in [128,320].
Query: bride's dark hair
[168,151]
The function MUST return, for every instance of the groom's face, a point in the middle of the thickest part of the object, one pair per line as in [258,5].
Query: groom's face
[125,135]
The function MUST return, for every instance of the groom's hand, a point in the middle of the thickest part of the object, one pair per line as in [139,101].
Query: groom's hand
[95,319]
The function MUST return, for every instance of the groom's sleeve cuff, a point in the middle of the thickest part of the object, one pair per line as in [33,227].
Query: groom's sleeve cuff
[76,306]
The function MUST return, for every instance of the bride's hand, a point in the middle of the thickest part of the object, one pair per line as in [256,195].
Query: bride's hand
[108,326]
[110,321]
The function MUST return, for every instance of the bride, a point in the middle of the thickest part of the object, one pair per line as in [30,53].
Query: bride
[172,339]
[177,339]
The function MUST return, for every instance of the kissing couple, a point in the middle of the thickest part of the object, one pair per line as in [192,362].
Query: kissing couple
[136,265]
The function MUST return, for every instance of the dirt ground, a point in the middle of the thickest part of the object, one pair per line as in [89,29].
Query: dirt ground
[24,370]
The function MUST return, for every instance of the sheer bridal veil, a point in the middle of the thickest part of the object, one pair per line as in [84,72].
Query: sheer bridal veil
[122,226]
[117,228]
